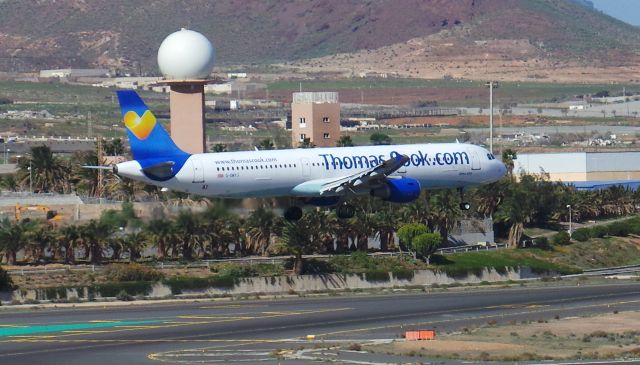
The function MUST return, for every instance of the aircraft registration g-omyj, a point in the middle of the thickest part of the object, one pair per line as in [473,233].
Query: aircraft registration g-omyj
[316,176]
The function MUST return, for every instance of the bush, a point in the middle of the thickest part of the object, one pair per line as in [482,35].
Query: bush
[561,238]
[6,284]
[179,284]
[599,231]
[233,270]
[541,243]
[581,234]
[132,272]
[620,229]
[124,296]
[113,289]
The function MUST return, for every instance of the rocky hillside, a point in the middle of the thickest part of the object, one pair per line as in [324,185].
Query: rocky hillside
[125,34]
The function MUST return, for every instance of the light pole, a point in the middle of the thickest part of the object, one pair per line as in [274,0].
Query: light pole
[569,206]
[491,85]
[30,178]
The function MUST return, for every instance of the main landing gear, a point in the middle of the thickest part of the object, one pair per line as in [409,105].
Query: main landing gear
[345,210]
[293,213]
[464,205]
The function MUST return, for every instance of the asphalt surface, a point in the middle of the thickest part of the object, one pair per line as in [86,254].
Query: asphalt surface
[258,331]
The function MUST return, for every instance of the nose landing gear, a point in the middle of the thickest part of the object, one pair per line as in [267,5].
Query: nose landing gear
[464,205]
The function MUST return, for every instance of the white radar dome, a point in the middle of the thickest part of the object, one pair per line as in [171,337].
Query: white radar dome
[186,55]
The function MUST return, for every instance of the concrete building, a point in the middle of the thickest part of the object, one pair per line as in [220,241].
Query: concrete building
[316,116]
[75,72]
[582,166]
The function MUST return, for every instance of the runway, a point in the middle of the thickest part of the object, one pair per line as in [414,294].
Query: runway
[267,331]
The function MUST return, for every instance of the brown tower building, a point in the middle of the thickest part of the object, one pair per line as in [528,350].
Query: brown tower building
[315,115]
[186,101]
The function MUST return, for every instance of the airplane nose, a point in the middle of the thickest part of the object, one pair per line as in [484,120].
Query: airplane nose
[501,169]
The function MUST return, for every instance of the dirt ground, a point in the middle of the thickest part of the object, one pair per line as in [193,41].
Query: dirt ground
[439,55]
[58,273]
[603,336]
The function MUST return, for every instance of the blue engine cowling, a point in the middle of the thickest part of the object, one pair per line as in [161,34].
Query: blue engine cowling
[402,190]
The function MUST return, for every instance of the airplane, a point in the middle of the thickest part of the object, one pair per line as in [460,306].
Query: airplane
[316,176]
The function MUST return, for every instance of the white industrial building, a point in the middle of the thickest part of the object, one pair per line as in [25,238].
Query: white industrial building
[593,168]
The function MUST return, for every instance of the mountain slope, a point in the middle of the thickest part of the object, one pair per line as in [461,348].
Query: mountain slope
[126,33]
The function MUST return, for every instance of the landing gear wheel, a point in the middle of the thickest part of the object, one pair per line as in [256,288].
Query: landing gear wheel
[464,205]
[293,213]
[345,210]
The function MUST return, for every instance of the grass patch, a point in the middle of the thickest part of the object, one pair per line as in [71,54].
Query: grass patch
[464,264]
[179,284]
[132,288]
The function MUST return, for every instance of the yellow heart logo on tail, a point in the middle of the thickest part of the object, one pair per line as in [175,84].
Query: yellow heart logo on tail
[141,127]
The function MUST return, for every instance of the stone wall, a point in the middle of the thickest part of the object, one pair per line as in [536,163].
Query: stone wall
[292,284]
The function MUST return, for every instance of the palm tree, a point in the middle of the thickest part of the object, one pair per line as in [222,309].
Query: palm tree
[12,239]
[297,237]
[363,227]
[517,208]
[345,141]
[9,182]
[385,222]
[265,144]
[260,228]
[159,233]
[40,238]
[488,197]
[43,171]
[444,212]
[306,143]
[508,157]
[134,243]
[68,237]
[219,147]
[94,237]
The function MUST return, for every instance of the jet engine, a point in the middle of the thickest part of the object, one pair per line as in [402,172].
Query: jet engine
[402,190]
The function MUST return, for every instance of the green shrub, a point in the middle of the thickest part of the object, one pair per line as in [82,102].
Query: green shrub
[377,276]
[6,284]
[541,243]
[132,288]
[179,284]
[620,229]
[269,269]
[234,270]
[599,231]
[53,293]
[132,272]
[124,296]
[403,274]
[581,234]
[561,238]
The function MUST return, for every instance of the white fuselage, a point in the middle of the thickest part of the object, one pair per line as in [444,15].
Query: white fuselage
[277,172]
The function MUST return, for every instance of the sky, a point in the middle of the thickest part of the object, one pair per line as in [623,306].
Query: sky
[625,10]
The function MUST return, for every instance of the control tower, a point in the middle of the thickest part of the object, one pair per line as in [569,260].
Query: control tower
[186,59]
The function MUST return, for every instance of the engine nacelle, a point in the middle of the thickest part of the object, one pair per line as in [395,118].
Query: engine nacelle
[402,190]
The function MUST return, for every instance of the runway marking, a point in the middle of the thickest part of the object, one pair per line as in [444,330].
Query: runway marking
[215,317]
[113,327]
[11,326]
[14,331]
[225,306]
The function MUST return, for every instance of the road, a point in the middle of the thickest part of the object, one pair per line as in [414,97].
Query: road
[252,331]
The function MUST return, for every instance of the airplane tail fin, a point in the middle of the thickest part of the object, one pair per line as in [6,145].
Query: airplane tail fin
[148,139]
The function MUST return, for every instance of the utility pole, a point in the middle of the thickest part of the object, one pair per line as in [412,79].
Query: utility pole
[100,172]
[491,85]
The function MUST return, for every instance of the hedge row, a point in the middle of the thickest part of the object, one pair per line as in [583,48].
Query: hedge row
[620,229]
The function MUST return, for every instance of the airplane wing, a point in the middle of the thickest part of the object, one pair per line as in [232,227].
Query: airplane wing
[351,184]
